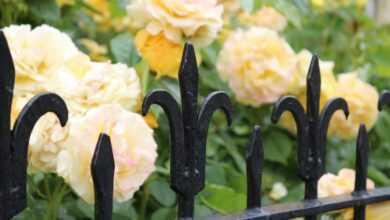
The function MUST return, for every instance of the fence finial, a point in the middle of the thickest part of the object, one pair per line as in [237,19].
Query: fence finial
[102,170]
[14,144]
[188,128]
[311,128]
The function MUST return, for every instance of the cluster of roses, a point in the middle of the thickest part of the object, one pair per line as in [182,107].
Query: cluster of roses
[101,97]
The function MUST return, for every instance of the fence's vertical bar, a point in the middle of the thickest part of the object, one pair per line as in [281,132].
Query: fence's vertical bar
[254,169]
[384,99]
[362,151]
[102,170]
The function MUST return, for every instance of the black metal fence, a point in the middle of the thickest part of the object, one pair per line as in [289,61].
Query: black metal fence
[188,134]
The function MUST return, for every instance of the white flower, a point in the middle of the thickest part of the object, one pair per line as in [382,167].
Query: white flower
[278,191]
[133,145]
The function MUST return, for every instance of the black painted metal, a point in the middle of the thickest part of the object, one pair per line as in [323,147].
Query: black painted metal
[312,128]
[189,128]
[254,169]
[102,170]
[362,149]
[14,143]
[308,207]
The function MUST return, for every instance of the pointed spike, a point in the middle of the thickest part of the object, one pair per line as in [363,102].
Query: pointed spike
[254,168]
[102,169]
[313,87]
[362,151]
[188,73]
[384,99]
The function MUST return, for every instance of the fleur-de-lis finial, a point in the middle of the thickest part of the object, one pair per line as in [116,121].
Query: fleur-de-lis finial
[188,129]
[14,144]
[384,100]
[312,128]
[102,170]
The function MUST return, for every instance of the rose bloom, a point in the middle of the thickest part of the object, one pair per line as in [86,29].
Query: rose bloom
[258,65]
[338,3]
[340,184]
[195,20]
[38,53]
[133,146]
[362,101]
[162,55]
[266,17]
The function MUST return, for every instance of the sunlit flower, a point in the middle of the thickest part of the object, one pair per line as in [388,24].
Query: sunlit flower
[258,64]
[133,145]
[38,53]
[266,17]
[278,191]
[339,3]
[342,183]
[362,101]
[162,55]
[197,21]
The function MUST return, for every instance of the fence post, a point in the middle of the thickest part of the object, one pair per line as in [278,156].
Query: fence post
[312,128]
[102,170]
[188,129]
[254,169]
[384,99]
[14,144]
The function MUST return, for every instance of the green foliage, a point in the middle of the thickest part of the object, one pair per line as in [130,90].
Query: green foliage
[344,34]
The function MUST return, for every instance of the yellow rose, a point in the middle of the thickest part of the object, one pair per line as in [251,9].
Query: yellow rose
[379,211]
[39,53]
[104,18]
[197,21]
[344,183]
[258,65]
[266,17]
[338,3]
[133,146]
[162,55]
[230,6]
[362,101]
[96,51]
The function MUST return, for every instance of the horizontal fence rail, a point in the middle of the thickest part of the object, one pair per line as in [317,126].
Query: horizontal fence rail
[188,137]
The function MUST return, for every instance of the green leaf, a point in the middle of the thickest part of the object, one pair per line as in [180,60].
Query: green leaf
[47,10]
[164,213]
[277,147]
[215,174]
[123,49]
[161,191]
[223,199]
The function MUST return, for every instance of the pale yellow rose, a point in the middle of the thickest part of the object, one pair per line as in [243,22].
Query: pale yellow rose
[195,20]
[38,53]
[266,17]
[340,184]
[230,6]
[362,101]
[133,146]
[258,65]
[379,211]
[162,55]
[107,83]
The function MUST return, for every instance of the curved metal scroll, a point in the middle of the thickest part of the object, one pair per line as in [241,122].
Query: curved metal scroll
[327,112]
[291,104]
[24,124]
[188,129]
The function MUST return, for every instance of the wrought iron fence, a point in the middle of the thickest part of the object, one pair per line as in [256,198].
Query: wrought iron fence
[188,135]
